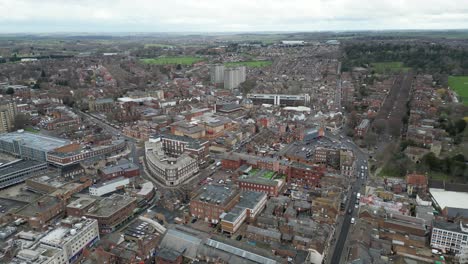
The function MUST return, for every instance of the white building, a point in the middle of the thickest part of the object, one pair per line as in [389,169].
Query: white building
[169,169]
[449,237]
[109,186]
[64,244]
[234,76]
[217,73]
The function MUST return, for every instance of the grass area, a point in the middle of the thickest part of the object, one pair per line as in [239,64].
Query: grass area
[172,60]
[460,85]
[392,67]
[251,64]
[254,171]
[30,129]
[268,174]
[388,171]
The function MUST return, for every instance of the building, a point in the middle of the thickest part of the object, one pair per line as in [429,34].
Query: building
[80,206]
[39,213]
[20,171]
[280,99]
[123,168]
[54,183]
[416,183]
[67,157]
[169,169]
[108,186]
[264,235]
[217,73]
[302,174]
[313,133]
[213,201]
[8,110]
[72,237]
[101,105]
[112,212]
[449,237]
[264,181]
[176,145]
[362,128]
[30,146]
[250,205]
[233,77]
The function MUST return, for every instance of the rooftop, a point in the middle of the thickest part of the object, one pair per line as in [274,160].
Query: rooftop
[454,227]
[216,194]
[122,165]
[450,198]
[81,202]
[191,142]
[63,234]
[36,141]
[110,205]
[20,165]
[41,205]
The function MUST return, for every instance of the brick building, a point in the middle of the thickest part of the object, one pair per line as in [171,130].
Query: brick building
[112,212]
[212,201]
[304,174]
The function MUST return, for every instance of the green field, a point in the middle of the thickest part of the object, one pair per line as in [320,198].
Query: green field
[251,64]
[460,85]
[389,67]
[172,60]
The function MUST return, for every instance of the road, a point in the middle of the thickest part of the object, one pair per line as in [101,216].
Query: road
[361,160]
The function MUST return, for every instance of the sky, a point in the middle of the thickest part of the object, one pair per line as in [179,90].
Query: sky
[93,16]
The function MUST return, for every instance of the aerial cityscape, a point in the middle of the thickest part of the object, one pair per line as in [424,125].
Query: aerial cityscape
[258,132]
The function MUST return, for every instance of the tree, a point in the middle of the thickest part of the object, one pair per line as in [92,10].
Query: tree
[68,101]
[10,91]
[380,125]
[370,139]
[248,86]
[21,121]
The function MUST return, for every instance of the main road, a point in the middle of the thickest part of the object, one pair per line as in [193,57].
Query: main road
[361,176]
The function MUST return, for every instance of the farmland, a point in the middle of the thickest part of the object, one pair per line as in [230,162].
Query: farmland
[251,64]
[460,85]
[172,60]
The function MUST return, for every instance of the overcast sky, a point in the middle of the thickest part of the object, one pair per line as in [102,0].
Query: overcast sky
[229,15]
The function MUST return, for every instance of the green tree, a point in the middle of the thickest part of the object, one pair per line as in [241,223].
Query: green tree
[10,91]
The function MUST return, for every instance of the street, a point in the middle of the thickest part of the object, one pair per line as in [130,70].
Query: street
[340,241]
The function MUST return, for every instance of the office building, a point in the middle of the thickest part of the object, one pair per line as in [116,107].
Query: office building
[280,99]
[176,145]
[217,73]
[169,169]
[71,237]
[30,146]
[18,172]
[449,237]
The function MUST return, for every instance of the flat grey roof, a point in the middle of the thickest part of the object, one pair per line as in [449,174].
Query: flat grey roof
[20,165]
[122,165]
[110,205]
[35,141]
[214,193]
